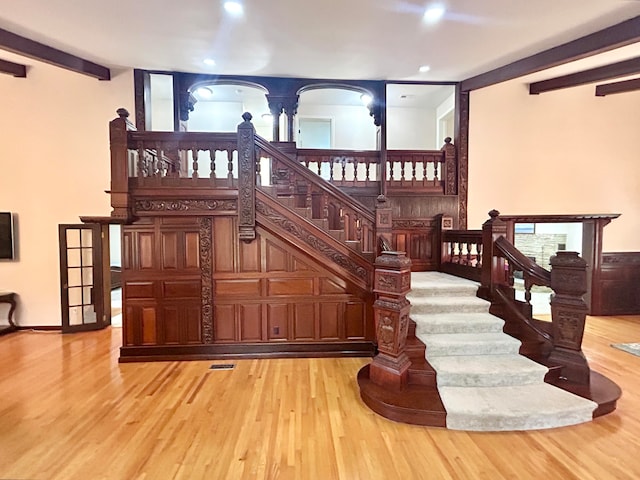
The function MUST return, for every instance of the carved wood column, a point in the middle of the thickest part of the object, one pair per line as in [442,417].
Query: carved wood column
[392,281]
[384,225]
[450,167]
[120,165]
[246,179]
[568,313]
[290,106]
[493,267]
[275,108]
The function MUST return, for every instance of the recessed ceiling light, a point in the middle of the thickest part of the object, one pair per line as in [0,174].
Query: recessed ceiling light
[204,93]
[424,68]
[233,8]
[209,61]
[433,13]
[366,99]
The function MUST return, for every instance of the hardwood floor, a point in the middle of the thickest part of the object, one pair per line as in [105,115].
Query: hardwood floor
[68,410]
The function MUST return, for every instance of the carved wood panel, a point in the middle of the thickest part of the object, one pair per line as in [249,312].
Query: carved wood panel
[416,237]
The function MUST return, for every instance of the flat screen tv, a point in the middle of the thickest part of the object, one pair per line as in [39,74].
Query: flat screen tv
[6,235]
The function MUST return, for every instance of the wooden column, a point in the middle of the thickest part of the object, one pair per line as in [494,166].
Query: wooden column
[392,281]
[120,165]
[246,179]
[450,168]
[568,312]
[275,108]
[384,225]
[493,267]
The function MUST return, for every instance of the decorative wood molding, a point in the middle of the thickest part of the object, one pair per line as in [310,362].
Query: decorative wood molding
[606,72]
[38,51]
[206,271]
[195,206]
[314,242]
[618,35]
[246,179]
[618,87]
[16,69]
[462,145]
[142,95]
[412,223]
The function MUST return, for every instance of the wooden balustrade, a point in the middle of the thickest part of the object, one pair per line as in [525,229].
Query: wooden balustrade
[461,253]
[344,168]
[409,170]
[324,202]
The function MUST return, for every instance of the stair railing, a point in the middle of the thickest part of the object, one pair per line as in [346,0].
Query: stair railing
[326,202]
[562,338]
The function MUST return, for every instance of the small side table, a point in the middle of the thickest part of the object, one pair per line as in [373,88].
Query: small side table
[10,298]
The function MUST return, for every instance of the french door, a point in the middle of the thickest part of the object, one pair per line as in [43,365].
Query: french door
[84,284]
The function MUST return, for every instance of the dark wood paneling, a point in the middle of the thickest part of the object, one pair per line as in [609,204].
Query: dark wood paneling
[290,286]
[330,321]
[250,321]
[224,234]
[248,287]
[181,289]
[418,239]
[355,328]
[277,321]
[618,290]
[224,326]
[304,325]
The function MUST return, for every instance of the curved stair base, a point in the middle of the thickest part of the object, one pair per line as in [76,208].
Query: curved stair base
[414,404]
[600,390]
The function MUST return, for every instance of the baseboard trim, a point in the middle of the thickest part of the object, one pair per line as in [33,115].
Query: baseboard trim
[240,351]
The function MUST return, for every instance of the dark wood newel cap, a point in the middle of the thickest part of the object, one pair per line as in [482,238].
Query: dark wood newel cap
[447,140]
[381,199]
[123,113]
[246,116]
[494,213]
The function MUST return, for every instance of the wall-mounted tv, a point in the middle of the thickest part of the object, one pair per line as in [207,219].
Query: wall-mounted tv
[6,236]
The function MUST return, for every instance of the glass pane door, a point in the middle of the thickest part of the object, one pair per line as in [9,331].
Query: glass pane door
[81,278]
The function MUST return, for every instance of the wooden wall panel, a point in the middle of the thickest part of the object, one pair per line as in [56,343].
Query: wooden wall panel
[224,325]
[330,321]
[277,321]
[192,250]
[145,254]
[169,253]
[181,289]
[250,320]
[171,325]
[617,291]
[417,237]
[304,322]
[250,257]
[224,237]
[237,287]
[355,328]
[289,286]
[276,258]
[149,326]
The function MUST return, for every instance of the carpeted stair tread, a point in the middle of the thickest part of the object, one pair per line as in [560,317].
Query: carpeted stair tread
[436,283]
[524,407]
[447,304]
[492,343]
[487,370]
[482,322]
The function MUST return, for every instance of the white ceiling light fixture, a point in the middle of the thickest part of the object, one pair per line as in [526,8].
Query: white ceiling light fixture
[204,93]
[210,62]
[234,8]
[424,69]
[366,99]
[434,13]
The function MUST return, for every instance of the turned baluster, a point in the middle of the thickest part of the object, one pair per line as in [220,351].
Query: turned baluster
[414,166]
[425,175]
[402,168]
[142,160]
[355,170]
[468,253]
[436,179]
[479,255]
[212,165]
[391,170]
[367,168]
[344,169]
[194,158]
[452,251]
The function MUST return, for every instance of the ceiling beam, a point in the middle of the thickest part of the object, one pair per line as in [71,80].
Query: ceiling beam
[616,36]
[15,69]
[618,87]
[606,72]
[38,51]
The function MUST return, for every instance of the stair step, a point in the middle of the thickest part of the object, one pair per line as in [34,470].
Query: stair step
[321,223]
[524,407]
[487,370]
[354,245]
[444,344]
[304,212]
[428,305]
[337,234]
[431,284]
[457,323]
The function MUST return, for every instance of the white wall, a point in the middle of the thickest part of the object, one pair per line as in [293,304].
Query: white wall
[55,167]
[411,128]
[559,152]
[353,127]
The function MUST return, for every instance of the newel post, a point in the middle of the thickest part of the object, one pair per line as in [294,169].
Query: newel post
[450,168]
[392,281]
[384,225]
[493,267]
[118,143]
[568,313]
[246,179]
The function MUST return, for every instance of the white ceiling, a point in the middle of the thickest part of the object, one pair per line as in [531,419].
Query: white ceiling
[349,39]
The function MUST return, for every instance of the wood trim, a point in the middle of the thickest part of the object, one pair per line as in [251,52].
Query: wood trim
[618,35]
[606,72]
[44,328]
[618,87]
[38,51]
[248,350]
[16,69]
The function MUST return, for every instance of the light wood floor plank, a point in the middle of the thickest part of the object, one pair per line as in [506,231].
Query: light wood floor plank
[68,410]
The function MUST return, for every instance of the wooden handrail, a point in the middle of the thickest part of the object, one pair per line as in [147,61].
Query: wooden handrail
[520,262]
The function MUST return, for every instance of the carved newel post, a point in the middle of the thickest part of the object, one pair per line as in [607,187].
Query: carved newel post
[493,267]
[119,165]
[568,312]
[246,179]
[392,281]
[384,225]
